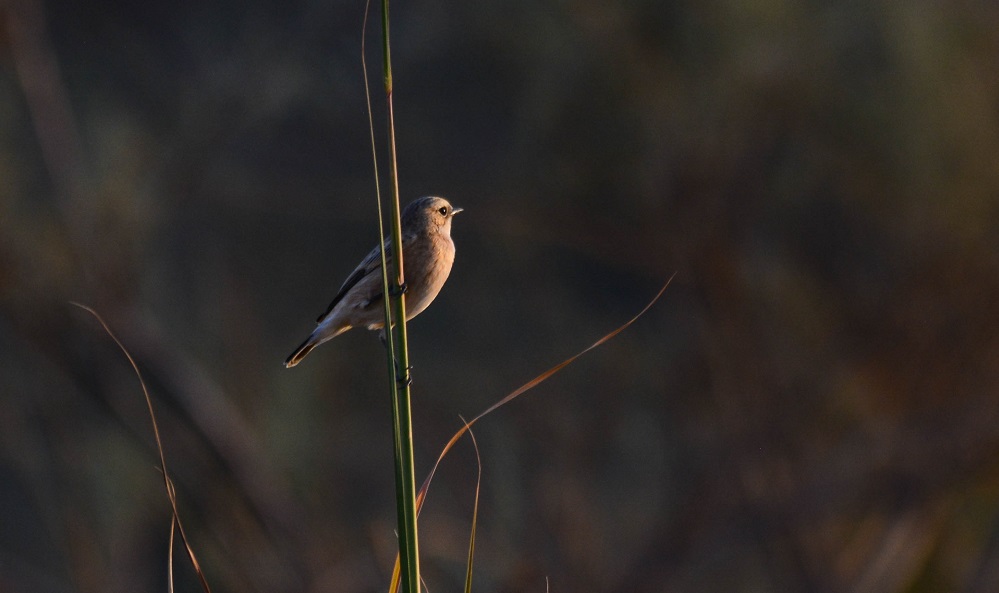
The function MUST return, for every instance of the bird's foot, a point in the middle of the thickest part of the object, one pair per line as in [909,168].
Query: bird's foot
[397,290]
[405,378]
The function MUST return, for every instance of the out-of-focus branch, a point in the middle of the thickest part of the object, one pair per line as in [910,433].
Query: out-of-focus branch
[48,103]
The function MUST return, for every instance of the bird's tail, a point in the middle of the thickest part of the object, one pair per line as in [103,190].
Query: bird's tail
[300,352]
[321,335]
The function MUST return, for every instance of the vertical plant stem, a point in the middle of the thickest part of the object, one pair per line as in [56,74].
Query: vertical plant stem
[399,356]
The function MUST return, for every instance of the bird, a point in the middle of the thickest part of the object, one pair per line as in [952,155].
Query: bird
[428,254]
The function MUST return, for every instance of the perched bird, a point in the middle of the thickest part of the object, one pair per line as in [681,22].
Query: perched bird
[427,255]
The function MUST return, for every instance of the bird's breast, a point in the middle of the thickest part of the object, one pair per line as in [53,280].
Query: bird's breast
[426,271]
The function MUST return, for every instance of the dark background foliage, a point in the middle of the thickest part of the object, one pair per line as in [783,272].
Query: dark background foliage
[812,407]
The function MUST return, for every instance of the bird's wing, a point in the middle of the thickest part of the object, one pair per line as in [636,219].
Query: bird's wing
[371,263]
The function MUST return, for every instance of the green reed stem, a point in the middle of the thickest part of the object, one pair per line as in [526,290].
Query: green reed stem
[398,356]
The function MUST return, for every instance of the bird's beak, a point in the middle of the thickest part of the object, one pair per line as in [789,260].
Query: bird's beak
[456,210]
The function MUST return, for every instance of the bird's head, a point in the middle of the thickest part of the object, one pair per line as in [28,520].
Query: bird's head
[429,213]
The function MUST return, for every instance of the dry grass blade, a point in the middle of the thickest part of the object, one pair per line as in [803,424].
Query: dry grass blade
[167,482]
[475,511]
[396,576]
[173,525]
[421,495]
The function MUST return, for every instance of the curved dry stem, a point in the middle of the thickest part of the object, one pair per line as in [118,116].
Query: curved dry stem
[531,385]
[167,482]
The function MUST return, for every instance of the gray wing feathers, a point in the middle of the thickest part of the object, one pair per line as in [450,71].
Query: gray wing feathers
[371,263]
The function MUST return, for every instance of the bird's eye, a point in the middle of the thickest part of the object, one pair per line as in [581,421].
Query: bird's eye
[443,210]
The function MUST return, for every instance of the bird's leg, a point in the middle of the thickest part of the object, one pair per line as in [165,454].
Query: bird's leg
[404,379]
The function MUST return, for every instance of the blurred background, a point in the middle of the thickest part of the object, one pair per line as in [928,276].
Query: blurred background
[812,406]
